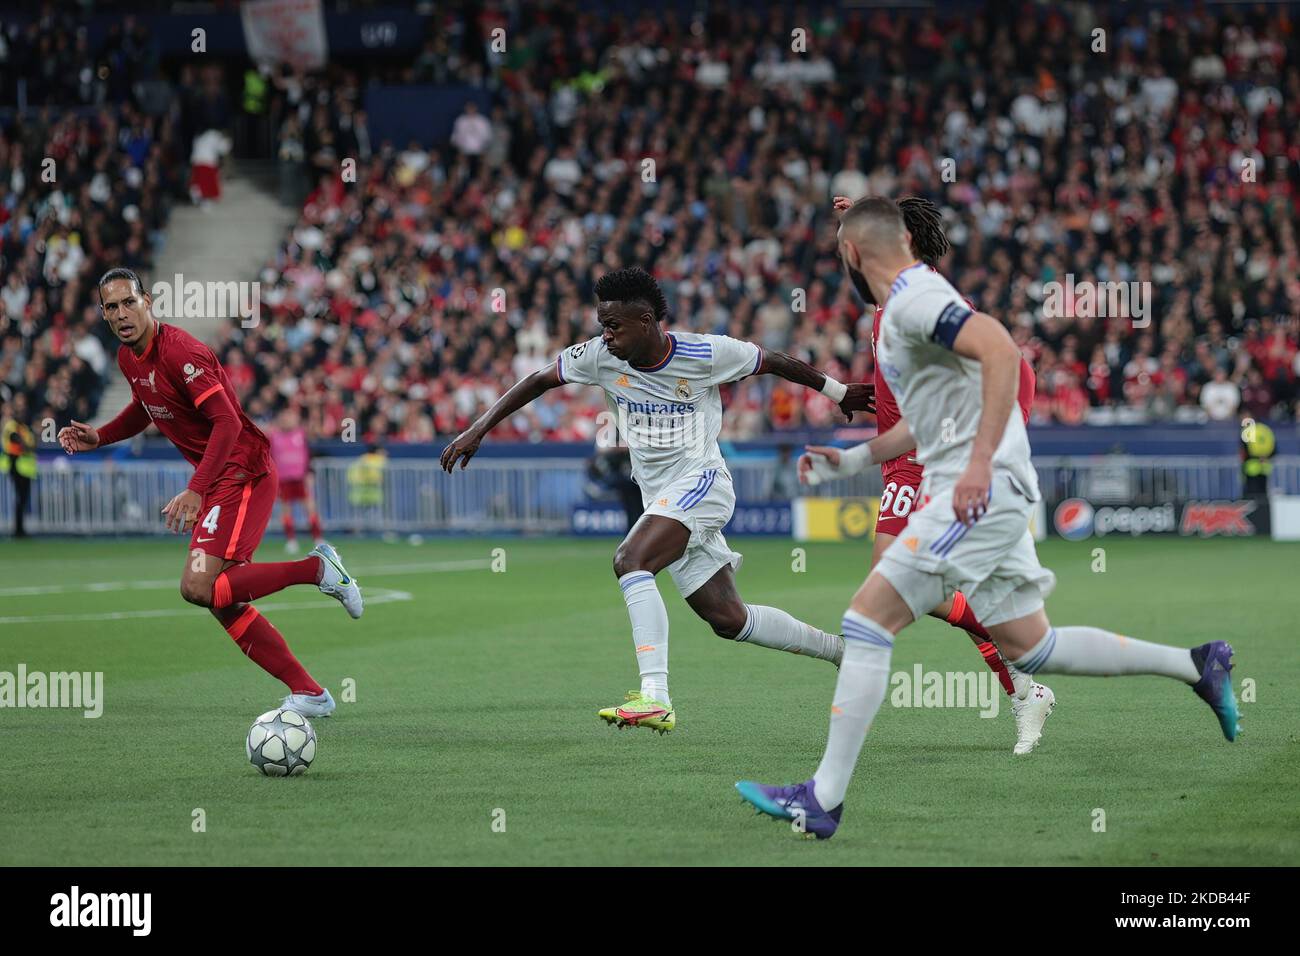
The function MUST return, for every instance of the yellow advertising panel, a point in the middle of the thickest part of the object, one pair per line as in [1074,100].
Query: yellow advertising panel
[835,519]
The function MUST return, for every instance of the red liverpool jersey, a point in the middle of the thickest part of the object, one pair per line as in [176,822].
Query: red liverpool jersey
[172,380]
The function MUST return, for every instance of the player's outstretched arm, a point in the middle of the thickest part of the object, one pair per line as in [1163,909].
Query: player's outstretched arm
[896,442]
[129,422]
[78,437]
[854,397]
[821,463]
[520,394]
[984,339]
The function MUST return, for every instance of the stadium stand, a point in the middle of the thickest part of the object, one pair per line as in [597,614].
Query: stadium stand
[1110,170]
[702,148]
[87,179]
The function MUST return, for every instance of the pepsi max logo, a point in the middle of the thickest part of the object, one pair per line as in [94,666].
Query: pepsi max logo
[1073,519]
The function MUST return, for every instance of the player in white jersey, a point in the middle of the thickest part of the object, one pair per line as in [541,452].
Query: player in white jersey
[955,374]
[663,390]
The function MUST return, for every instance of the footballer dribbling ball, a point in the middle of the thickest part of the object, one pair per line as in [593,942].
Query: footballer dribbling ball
[281,743]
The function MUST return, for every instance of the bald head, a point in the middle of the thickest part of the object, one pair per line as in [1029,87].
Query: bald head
[874,244]
[874,228]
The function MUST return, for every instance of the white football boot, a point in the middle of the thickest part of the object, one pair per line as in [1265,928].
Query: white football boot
[335,580]
[321,705]
[291,546]
[1031,712]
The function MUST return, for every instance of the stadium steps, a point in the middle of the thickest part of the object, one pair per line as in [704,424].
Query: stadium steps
[228,241]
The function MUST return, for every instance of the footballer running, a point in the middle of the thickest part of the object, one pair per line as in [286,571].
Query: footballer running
[178,385]
[954,372]
[1031,703]
[663,388]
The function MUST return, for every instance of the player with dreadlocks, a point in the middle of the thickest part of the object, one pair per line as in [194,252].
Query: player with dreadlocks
[1032,703]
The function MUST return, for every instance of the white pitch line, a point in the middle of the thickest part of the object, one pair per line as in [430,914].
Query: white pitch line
[164,584]
[372,595]
[471,564]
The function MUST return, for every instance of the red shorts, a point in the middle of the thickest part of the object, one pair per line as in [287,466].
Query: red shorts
[234,516]
[902,482]
[207,180]
[293,489]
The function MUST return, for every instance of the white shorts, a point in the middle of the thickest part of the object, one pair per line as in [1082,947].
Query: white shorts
[704,502]
[993,562]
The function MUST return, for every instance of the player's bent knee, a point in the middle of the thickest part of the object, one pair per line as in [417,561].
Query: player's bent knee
[626,561]
[197,592]
[1018,637]
[728,622]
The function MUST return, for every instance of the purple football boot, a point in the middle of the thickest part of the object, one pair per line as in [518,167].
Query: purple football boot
[795,802]
[1214,661]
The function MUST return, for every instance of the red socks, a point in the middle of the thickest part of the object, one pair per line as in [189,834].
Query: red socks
[998,666]
[248,582]
[266,647]
[317,535]
[257,637]
[961,616]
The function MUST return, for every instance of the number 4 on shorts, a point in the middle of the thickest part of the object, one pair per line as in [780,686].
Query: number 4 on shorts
[209,523]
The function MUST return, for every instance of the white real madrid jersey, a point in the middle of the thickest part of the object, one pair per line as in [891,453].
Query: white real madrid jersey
[670,413]
[938,391]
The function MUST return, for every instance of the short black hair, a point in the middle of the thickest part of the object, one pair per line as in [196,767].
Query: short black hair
[632,285]
[121,272]
[877,210]
[922,219]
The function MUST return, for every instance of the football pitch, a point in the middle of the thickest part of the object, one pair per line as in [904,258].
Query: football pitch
[473,736]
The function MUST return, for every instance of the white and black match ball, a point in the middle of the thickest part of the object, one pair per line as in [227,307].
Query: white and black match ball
[281,743]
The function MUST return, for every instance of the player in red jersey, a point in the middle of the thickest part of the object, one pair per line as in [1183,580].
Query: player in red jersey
[178,385]
[1032,703]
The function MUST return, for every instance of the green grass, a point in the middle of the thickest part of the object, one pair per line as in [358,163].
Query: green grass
[480,692]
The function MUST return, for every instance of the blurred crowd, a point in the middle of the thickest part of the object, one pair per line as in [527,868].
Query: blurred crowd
[1162,151]
[87,176]
[106,205]
[703,149]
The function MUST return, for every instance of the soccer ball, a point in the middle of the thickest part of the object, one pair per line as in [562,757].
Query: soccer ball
[281,743]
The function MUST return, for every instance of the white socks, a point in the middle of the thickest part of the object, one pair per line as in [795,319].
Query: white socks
[649,617]
[1098,653]
[772,627]
[859,692]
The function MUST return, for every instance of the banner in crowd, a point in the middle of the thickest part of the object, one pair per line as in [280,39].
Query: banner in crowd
[600,518]
[1077,518]
[285,31]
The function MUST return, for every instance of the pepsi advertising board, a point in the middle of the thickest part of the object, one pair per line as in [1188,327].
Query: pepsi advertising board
[1076,519]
